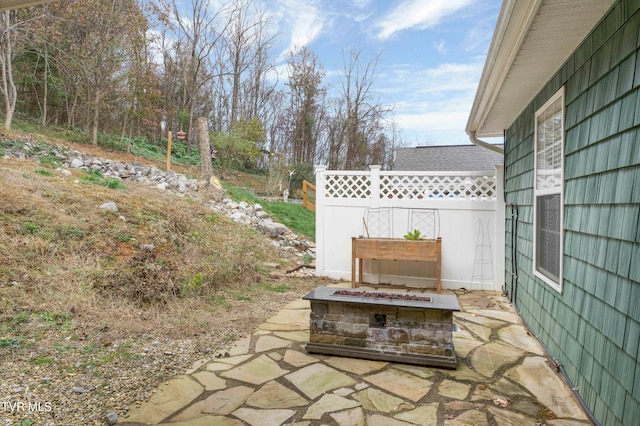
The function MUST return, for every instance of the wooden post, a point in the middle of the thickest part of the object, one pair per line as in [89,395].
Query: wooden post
[205,149]
[306,185]
[169,150]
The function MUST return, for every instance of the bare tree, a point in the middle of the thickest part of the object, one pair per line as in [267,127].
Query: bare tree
[363,112]
[7,43]
[305,79]
[199,30]
[90,38]
[92,63]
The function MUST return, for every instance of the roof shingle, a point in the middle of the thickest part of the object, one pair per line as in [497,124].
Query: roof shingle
[447,158]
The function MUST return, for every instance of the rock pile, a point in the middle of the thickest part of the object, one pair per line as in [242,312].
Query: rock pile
[179,184]
[254,216]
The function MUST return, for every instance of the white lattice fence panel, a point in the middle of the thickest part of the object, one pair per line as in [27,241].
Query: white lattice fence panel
[454,187]
[347,186]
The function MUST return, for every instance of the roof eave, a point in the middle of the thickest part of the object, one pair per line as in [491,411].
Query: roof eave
[511,27]
[508,83]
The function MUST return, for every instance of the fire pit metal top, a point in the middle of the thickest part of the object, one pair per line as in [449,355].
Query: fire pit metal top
[445,302]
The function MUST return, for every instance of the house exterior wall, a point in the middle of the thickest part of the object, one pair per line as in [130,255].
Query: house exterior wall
[593,327]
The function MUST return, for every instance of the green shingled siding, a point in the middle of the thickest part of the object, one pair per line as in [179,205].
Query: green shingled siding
[593,326]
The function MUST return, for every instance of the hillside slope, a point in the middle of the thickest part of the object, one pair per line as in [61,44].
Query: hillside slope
[98,306]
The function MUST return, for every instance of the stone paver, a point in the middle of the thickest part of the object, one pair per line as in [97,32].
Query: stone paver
[498,314]
[464,343]
[298,359]
[269,343]
[316,379]
[377,400]
[194,411]
[241,347]
[234,360]
[401,383]
[207,420]
[170,397]
[507,417]
[355,366]
[378,420]
[329,403]
[298,336]
[518,337]
[453,389]
[224,402]
[275,395]
[535,375]
[465,374]
[478,319]
[352,417]
[257,371]
[210,381]
[268,379]
[507,387]
[426,415]
[469,418]
[487,359]
[481,331]
[416,370]
[297,318]
[263,417]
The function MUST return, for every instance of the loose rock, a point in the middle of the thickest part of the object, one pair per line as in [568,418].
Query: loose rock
[250,215]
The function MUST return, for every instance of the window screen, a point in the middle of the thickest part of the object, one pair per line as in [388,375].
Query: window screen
[548,239]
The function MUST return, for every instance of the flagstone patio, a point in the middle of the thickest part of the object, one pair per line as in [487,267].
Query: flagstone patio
[267,379]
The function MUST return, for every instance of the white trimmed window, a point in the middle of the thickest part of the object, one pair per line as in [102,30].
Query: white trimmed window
[548,167]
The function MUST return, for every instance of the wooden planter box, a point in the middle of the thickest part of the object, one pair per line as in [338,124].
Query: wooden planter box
[395,249]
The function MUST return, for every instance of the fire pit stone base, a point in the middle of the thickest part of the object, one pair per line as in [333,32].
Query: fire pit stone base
[383,328]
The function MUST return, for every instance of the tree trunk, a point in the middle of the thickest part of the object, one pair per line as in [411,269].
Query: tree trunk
[96,115]
[205,149]
[8,85]
[46,87]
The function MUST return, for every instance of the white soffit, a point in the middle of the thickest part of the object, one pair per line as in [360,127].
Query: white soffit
[532,39]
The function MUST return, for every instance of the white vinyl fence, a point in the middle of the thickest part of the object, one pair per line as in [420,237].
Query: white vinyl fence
[466,209]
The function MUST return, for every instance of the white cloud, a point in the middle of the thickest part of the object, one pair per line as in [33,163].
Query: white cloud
[439,126]
[479,35]
[437,117]
[417,14]
[362,17]
[304,20]
[436,101]
[440,46]
[362,3]
[444,79]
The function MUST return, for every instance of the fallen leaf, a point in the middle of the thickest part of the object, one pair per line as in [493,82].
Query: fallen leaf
[501,402]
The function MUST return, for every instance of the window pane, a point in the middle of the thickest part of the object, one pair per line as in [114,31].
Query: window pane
[548,236]
[549,147]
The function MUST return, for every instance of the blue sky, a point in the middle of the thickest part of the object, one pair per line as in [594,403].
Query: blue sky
[431,53]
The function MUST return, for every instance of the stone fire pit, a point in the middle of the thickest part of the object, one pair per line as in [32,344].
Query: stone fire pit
[411,328]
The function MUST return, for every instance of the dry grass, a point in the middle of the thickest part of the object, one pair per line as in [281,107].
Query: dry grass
[63,257]
[83,303]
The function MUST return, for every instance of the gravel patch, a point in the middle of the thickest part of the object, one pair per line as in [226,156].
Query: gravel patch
[51,376]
